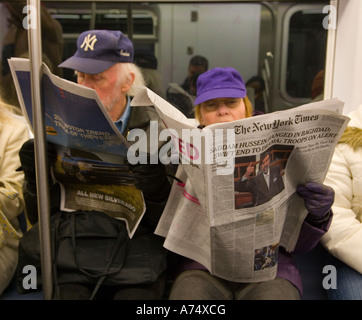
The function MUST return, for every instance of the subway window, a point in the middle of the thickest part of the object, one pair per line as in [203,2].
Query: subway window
[73,22]
[143,22]
[304,53]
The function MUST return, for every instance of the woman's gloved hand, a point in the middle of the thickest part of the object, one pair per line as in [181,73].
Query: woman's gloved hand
[318,199]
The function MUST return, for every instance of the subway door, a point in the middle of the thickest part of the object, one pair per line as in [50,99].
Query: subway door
[226,34]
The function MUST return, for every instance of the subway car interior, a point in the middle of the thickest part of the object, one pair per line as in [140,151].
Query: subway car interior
[287,51]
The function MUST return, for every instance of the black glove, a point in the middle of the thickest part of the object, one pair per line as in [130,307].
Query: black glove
[152,180]
[27,159]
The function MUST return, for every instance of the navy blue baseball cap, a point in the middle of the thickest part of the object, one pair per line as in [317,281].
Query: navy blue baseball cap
[219,83]
[98,50]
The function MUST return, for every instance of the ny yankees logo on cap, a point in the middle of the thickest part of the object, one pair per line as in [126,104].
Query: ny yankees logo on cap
[125,53]
[89,42]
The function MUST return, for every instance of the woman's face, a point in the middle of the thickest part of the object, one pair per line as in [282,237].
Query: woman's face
[222,110]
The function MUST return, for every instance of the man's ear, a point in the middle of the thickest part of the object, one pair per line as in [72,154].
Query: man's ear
[128,83]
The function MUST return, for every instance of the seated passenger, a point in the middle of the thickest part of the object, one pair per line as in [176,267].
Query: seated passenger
[344,237]
[221,97]
[183,99]
[13,132]
[15,44]
[197,64]
[182,96]
[109,69]
[257,84]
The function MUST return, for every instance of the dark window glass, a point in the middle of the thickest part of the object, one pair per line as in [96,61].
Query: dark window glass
[306,52]
[142,24]
[73,23]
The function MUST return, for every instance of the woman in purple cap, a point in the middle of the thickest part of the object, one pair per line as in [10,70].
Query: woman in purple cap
[221,97]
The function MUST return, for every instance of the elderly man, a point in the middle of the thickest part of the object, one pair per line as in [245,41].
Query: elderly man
[104,62]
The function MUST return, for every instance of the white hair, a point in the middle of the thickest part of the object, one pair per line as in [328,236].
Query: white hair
[124,73]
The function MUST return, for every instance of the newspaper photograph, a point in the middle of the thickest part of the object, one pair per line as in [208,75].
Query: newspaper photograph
[223,214]
[90,165]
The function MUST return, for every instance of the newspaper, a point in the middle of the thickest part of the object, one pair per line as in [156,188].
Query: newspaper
[210,218]
[90,165]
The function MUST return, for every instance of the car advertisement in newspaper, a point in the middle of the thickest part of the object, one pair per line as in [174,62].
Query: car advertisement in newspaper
[235,201]
[91,151]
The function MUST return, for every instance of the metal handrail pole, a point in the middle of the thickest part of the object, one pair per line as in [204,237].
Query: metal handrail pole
[35,54]
[330,54]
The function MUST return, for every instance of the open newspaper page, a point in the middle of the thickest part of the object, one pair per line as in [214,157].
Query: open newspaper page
[90,165]
[185,218]
[233,222]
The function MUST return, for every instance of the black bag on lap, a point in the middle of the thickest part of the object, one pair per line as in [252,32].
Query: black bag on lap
[91,248]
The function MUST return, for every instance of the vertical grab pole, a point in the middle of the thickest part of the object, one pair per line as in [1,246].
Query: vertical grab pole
[35,53]
[129,22]
[331,47]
